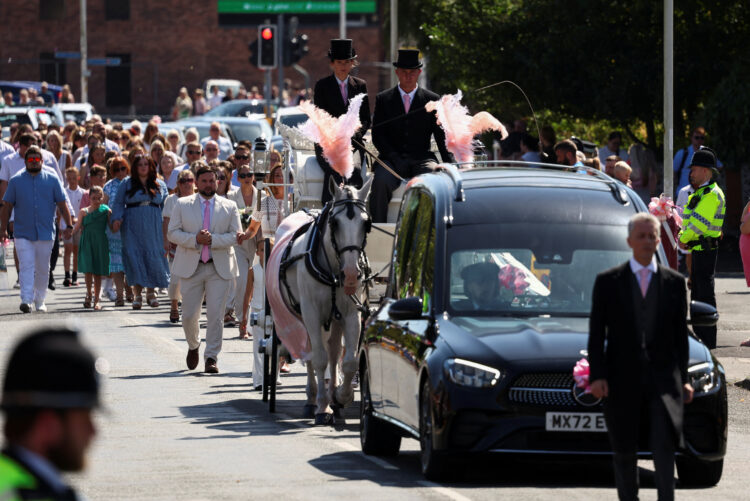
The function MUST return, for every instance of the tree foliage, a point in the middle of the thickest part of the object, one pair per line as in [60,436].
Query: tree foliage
[593,59]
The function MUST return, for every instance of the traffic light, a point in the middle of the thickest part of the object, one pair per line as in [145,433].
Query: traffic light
[297,48]
[253,48]
[267,45]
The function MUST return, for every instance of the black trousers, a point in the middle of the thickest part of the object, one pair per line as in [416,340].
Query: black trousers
[662,444]
[702,277]
[55,251]
[328,173]
[385,183]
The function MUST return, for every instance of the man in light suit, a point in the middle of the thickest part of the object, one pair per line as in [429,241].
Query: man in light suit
[204,227]
[639,308]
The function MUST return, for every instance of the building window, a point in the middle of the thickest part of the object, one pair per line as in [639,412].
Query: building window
[117,10]
[50,10]
[51,70]
[118,82]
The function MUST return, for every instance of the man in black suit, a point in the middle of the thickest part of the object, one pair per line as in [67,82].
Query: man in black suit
[639,309]
[333,94]
[401,132]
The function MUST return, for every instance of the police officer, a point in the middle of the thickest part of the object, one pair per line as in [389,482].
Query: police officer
[49,391]
[701,231]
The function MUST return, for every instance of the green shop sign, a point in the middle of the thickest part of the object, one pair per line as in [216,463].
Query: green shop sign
[298,7]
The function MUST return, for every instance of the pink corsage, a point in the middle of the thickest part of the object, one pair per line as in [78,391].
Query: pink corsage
[581,375]
[512,279]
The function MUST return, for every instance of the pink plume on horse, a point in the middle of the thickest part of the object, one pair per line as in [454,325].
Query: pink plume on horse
[333,134]
[460,127]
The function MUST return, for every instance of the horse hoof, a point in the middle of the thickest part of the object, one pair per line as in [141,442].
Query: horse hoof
[324,419]
[336,411]
[308,411]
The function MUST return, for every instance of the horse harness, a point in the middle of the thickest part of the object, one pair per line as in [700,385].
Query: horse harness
[323,272]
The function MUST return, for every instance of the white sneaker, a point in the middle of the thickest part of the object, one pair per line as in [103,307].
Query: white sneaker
[17,285]
[41,307]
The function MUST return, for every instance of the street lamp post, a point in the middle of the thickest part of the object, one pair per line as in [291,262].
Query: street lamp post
[668,96]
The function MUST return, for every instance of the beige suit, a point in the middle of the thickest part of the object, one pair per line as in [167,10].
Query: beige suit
[196,278]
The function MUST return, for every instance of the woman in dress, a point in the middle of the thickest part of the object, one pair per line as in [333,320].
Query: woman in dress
[137,214]
[119,170]
[93,256]
[246,199]
[55,146]
[185,187]
[96,157]
[270,214]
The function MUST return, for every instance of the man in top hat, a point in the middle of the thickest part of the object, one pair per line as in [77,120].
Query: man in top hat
[333,94]
[49,392]
[702,222]
[401,132]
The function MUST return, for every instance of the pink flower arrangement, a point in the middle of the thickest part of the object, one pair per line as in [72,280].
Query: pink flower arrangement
[581,375]
[512,279]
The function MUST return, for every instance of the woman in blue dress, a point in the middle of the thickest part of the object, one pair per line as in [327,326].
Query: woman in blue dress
[136,213]
[119,170]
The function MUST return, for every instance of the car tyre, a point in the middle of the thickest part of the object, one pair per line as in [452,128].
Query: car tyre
[693,472]
[434,463]
[377,437]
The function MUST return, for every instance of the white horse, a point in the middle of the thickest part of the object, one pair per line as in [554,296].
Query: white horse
[333,296]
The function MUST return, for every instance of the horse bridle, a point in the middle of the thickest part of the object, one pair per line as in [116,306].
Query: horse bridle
[348,205]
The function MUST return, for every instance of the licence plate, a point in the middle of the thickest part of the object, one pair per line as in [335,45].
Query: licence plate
[575,421]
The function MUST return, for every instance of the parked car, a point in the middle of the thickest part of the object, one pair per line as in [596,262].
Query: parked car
[32,115]
[248,128]
[233,108]
[203,126]
[80,113]
[223,84]
[464,378]
[15,87]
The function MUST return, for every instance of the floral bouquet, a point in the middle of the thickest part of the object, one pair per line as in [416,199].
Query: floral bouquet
[512,279]
[246,215]
[581,375]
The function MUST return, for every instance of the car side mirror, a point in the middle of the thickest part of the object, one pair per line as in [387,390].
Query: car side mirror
[408,308]
[703,314]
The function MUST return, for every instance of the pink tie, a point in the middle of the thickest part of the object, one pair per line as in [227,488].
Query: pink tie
[643,272]
[407,102]
[206,225]
[343,90]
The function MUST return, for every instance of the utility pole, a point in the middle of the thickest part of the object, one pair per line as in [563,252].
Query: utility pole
[394,37]
[342,18]
[668,96]
[282,40]
[84,56]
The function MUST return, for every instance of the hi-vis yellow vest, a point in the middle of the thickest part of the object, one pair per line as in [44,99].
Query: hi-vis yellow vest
[707,218]
[13,477]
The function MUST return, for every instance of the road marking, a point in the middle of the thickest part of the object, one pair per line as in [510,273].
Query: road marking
[380,462]
[450,493]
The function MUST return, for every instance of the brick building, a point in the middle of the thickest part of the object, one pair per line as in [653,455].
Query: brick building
[166,45]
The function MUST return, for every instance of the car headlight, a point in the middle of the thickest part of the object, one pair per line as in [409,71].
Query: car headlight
[703,377]
[466,373]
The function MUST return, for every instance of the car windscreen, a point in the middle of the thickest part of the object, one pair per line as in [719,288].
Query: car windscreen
[234,109]
[530,269]
[293,120]
[7,119]
[248,131]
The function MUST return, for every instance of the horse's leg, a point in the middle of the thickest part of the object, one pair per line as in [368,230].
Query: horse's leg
[351,323]
[311,390]
[312,320]
[334,353]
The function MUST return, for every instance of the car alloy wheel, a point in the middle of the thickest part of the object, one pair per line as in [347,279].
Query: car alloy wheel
[433,462]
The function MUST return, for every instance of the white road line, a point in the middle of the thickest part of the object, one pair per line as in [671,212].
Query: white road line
[450,493]
[380,462]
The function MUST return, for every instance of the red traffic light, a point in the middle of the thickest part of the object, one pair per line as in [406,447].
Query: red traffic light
[266,34]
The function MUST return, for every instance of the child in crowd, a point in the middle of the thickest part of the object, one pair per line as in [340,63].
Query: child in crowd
[622,173]
[75,194]
[93,255]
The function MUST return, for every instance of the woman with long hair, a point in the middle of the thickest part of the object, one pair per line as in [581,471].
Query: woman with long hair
[152,129]
[185,188]
[96,157]
[223,178]
[119,170]
[271,212]
[55,146]
[137,215]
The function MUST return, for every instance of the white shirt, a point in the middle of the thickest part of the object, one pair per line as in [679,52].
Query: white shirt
[6,149]
[215,100]
[636,267]
[75,197]
[256,303]
[411,94]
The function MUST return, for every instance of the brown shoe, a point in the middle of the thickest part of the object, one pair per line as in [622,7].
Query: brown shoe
[192,359]
[211,366]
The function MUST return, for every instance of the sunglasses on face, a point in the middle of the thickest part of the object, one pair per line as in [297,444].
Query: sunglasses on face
[121,169]
[244,176]
[242,157]
[33,159]
[193,152]
[699,138]
[222,178]
[187,180]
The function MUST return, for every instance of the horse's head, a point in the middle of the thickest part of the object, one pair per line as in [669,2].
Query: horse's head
[349,223]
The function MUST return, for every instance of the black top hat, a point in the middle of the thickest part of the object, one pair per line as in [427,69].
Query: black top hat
[704,157]
[51,369]
[479,272]
[341,49]
[408,59]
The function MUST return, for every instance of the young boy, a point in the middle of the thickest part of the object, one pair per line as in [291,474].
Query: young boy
[75,194]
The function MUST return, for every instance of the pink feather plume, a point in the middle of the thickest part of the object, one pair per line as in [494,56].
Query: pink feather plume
[334,135]
[460,127]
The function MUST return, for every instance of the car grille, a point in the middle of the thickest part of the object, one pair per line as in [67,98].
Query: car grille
[544,389]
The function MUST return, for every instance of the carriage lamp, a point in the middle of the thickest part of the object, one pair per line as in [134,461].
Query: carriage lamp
[467,373]
[703,377]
